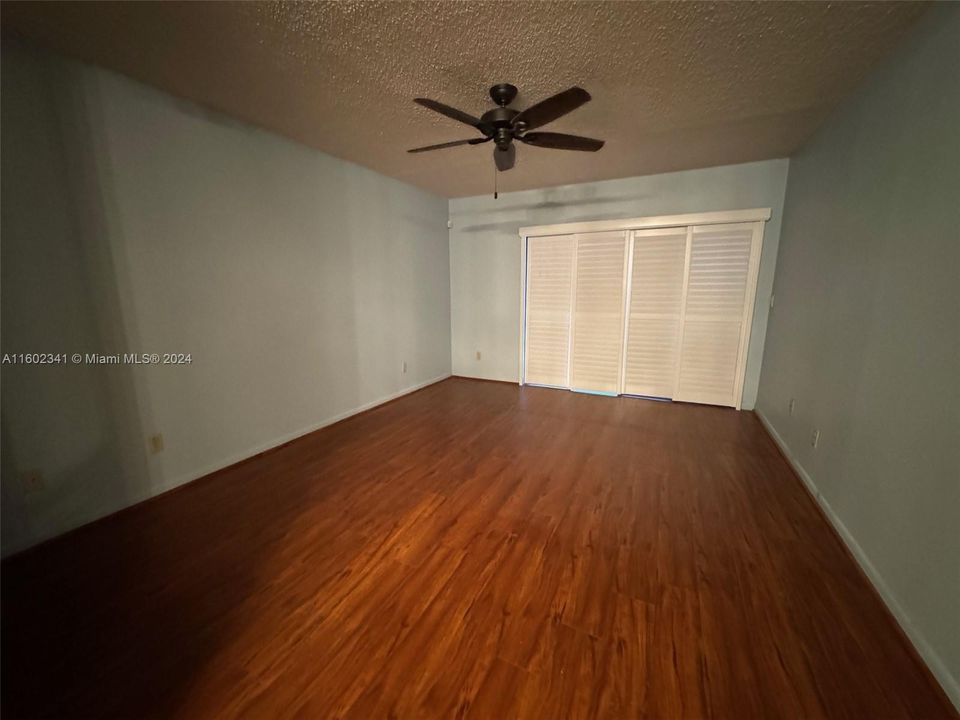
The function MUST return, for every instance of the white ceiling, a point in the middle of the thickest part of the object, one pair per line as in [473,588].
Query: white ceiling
[674,85]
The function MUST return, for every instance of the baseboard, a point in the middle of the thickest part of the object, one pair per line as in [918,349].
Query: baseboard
[295,435]
[174,484]
[484,379]
[927,654]
[511,380]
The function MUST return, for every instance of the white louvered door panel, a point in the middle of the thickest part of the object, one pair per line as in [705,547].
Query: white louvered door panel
[598,312]
[720,284]
[549,301]
[653,324]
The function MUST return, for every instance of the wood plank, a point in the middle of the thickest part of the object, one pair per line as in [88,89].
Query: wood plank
[473,550]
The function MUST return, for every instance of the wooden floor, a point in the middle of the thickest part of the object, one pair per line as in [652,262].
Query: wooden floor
[473,550]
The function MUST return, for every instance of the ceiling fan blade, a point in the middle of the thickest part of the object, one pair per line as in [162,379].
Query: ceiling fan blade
[505,159]
[455,114]
[561,141]
[440,146]
[553,107]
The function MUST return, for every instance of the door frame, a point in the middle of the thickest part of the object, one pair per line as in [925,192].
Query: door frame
[723,217]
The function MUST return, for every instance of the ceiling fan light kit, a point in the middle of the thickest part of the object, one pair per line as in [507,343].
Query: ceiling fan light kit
[503,124]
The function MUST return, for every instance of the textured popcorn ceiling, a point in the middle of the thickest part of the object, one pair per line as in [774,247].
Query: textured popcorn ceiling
[675,85]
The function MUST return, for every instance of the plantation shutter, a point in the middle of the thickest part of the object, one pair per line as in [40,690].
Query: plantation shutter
[718,296]
[598,312]
[549,287]
[656,298]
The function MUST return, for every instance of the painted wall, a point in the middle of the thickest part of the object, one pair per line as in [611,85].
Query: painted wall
[485,250]
[134,222]
[865,334]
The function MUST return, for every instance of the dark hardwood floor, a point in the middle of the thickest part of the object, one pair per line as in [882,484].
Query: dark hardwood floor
[473,550]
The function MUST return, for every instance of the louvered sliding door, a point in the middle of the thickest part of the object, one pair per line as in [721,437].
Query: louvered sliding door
[660,312]
[548,313]
[656,299]
[598,312]
[720,284]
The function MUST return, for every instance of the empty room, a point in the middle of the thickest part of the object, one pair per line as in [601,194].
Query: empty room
[480,360]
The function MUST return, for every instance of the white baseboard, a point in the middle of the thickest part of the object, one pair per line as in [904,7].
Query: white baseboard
[474,376]
[283,439]
[939,669]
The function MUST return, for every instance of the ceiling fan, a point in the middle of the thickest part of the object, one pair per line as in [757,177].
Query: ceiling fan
[503,124]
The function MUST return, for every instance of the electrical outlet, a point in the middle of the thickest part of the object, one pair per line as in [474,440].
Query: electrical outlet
[403,368]
[156,443]
[815,438]
[478,354]
[32,481]
[792,406]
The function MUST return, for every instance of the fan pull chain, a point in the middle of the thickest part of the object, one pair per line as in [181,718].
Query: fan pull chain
[494,182]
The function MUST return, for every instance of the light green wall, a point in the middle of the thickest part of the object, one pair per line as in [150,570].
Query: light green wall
[134,222]
[865,333]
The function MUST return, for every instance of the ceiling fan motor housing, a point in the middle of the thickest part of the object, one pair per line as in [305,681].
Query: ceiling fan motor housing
[501,118]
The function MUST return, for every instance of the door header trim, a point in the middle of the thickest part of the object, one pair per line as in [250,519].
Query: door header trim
[655,221]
